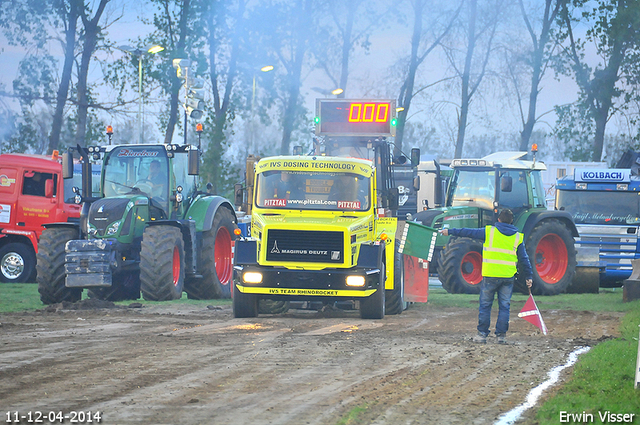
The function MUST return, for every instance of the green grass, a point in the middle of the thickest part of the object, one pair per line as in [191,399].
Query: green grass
[25,297]
[353,417]
[606,300]
[602,380]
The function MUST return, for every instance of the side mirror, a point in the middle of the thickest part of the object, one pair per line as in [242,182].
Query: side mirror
[238,194]
[194,162]
[48,188]
[416,183]
[415,157]
[67,165]
[506,184]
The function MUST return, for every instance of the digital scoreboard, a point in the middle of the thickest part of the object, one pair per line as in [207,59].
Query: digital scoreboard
[355,117]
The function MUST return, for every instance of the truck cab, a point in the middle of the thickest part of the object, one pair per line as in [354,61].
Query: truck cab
[32,193]
[605,205]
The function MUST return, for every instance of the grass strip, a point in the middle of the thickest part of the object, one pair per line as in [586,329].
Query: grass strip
[602,380]
[16,297]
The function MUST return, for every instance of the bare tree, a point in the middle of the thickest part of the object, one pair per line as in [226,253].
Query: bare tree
[92,31]
[539,61]
[177,38]
[614,32]
[420,49]
[479,27]
[222,76]
[69,12]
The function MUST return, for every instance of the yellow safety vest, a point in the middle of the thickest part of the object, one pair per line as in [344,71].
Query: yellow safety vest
[499,253]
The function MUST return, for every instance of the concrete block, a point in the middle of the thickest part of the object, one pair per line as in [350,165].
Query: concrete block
[630,290]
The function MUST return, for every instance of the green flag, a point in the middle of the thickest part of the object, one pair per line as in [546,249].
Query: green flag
[418,240]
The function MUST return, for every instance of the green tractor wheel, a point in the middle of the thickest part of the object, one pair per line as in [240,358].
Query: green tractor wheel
[215,259]
[162,263]
[50,266]
[460,266]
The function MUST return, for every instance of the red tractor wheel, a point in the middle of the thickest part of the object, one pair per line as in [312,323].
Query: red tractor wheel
[460,266]
[552,255]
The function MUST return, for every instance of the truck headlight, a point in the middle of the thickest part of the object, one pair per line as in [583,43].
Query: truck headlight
[113,228]
[355,281]
[252,277]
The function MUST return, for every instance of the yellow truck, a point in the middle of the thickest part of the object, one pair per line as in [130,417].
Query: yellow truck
[322,225]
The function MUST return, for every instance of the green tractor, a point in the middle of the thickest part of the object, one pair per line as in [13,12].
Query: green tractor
[477,191]
[151,231]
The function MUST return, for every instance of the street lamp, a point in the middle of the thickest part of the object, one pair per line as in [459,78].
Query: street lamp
[140,53]
[265,68]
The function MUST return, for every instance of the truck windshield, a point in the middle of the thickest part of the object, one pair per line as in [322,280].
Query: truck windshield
[313,191]
[129,170]
[600,207]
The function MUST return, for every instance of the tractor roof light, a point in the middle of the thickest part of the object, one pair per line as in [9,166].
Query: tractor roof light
[109,130]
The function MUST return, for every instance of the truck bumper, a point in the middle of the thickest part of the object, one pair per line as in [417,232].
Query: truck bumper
[88,263]
[282,283]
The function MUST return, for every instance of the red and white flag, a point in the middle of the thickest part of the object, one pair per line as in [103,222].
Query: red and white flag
[531,314]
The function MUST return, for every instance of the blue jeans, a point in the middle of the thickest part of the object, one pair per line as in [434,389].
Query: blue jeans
[488,288]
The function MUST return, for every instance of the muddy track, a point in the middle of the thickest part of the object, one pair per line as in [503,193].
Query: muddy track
[192,365]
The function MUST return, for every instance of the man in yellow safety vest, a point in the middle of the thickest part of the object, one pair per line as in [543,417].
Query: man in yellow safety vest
[502,250]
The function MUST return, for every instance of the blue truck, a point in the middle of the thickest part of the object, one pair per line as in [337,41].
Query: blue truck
[605,205]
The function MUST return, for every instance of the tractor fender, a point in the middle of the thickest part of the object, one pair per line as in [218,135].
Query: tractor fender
[562,216]
[203,211]
[371,256]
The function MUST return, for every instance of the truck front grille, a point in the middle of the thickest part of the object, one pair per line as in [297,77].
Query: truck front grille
[305,246]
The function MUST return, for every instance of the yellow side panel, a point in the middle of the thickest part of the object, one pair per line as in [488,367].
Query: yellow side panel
[388,226]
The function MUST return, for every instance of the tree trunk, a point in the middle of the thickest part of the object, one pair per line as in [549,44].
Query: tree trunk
[346,47]
[538,56]
[176,83]
[91,31]
[295,72]
[466,75]
[406,93]
[65,78]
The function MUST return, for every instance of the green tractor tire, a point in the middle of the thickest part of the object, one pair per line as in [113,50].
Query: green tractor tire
[162,263]
[460,266]
[50,266]
[215,260]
